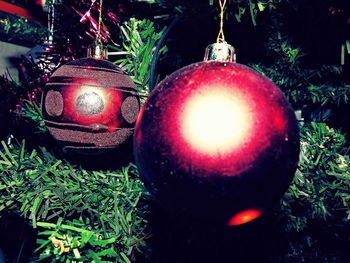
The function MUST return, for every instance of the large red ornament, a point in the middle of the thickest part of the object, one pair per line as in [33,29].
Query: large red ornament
[90,105]
[217,140]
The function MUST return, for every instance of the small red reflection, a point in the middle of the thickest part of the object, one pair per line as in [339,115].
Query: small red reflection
[279,121]
[244,217]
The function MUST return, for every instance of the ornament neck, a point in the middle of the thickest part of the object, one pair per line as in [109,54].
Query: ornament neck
[97,51]
[222,52]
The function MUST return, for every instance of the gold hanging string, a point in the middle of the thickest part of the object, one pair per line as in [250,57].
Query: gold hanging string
[99,22]
[221,36]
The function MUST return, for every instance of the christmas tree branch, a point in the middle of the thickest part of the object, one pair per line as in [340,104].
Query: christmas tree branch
[19,30]
[139,42]
[103,205]
[303,86]
[31,111]
[322,182]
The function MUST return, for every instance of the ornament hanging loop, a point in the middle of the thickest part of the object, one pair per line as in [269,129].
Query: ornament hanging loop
[221,36]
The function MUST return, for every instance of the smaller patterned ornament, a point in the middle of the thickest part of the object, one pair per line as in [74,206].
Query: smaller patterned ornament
[90,105]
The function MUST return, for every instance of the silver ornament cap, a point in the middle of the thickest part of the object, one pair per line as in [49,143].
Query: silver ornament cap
[222,52]
[97,51]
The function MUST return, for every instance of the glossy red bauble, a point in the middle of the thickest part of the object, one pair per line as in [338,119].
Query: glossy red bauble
[90,105]
[217,141]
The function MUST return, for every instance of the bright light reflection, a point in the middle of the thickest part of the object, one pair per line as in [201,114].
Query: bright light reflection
[216,122]
[92,98]
[90,90]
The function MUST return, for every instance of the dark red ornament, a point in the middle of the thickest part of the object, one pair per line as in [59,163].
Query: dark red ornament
[90,105]
[218,141]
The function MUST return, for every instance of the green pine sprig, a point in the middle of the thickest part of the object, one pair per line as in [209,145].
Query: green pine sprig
[139,42]
[103,211]
[31,111]
[320,191]
[303,86]
[20,30]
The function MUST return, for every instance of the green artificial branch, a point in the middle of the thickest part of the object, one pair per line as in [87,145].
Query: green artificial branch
[32,112]
[322,181]
[18,29]
[99,210]
[303,86]
[253,7]
[139,41]
[236,8]
[317,203]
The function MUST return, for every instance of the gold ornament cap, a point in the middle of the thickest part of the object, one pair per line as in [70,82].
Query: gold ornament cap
[97,51]
[222,52]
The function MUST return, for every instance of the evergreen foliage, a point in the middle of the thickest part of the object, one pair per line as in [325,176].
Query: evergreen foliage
[139,41]
[321,188]
[303,85]
[315,211]
[80,215]
[31,111]
[18,29]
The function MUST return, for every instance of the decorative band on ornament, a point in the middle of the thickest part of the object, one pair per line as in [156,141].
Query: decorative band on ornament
[130,90]
[117,70]
[109,78]
[98,128]
[106,139]
[86,147]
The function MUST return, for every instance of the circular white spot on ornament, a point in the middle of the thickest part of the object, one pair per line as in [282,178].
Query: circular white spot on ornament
[89,103]
[216,121]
